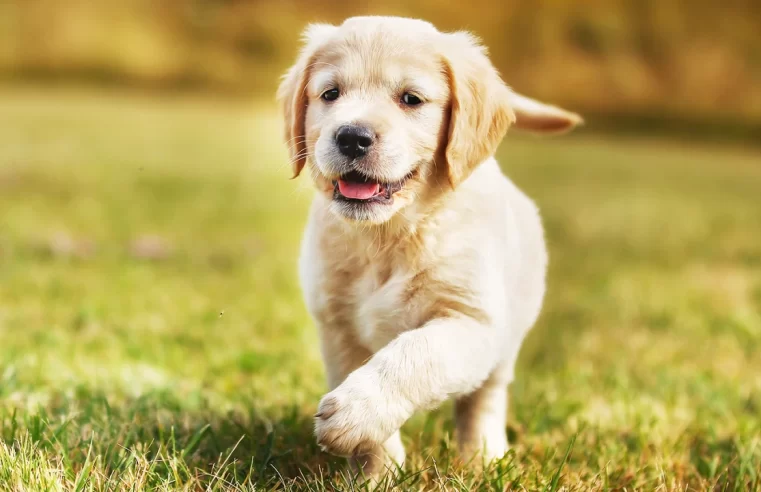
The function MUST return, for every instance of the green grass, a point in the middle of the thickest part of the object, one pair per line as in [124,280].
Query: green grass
[190,362]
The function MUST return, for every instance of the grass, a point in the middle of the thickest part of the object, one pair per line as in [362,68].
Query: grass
[152,334]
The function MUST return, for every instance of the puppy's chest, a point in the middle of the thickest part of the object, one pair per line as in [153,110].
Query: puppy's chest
[382,306]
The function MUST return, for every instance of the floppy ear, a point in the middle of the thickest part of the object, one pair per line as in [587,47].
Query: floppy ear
[480,106]
[537,117]
[292,93]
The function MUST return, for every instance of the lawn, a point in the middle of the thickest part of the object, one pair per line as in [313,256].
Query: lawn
[152,334]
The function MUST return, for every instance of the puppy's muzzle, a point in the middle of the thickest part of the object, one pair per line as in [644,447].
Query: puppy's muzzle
[354,141]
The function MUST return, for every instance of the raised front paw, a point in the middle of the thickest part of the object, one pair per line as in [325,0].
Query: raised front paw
[357,417]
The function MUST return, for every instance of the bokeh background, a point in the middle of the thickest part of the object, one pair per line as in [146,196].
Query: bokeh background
[152,333]
[645,61]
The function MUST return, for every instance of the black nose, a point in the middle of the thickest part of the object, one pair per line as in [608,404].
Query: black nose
[353,140]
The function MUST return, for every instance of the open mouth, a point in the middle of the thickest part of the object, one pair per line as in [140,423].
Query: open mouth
[356,187]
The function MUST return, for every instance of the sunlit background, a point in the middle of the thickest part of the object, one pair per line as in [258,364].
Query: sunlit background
[152,332]
[640,59]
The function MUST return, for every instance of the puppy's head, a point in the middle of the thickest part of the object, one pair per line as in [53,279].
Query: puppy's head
[386,112]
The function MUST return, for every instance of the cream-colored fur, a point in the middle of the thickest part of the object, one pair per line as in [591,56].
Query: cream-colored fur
[428,297]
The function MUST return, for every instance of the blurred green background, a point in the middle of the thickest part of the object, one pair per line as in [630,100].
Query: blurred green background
[152,332]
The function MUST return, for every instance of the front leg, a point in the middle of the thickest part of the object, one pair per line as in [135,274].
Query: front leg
[481,419]
[342,354]
[419,369]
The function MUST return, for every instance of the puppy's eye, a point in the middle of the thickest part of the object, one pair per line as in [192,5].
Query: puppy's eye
[330,95]
[410,99]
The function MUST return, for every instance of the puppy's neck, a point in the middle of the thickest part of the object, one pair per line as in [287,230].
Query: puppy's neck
[397,230]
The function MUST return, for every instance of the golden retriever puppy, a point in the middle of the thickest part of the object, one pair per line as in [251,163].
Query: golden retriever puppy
[422,265]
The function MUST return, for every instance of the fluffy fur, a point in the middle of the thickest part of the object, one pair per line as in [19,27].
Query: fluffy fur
[428,297]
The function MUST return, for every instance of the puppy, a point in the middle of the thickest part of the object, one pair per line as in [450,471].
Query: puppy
[422,265]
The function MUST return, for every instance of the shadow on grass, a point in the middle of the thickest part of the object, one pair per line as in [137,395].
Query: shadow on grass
[172,439]
[158,441]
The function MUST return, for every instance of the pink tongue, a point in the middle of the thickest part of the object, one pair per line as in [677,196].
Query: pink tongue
[358,191]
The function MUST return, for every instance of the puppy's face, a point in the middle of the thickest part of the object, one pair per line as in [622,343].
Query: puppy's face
[374,120]
[387,112]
